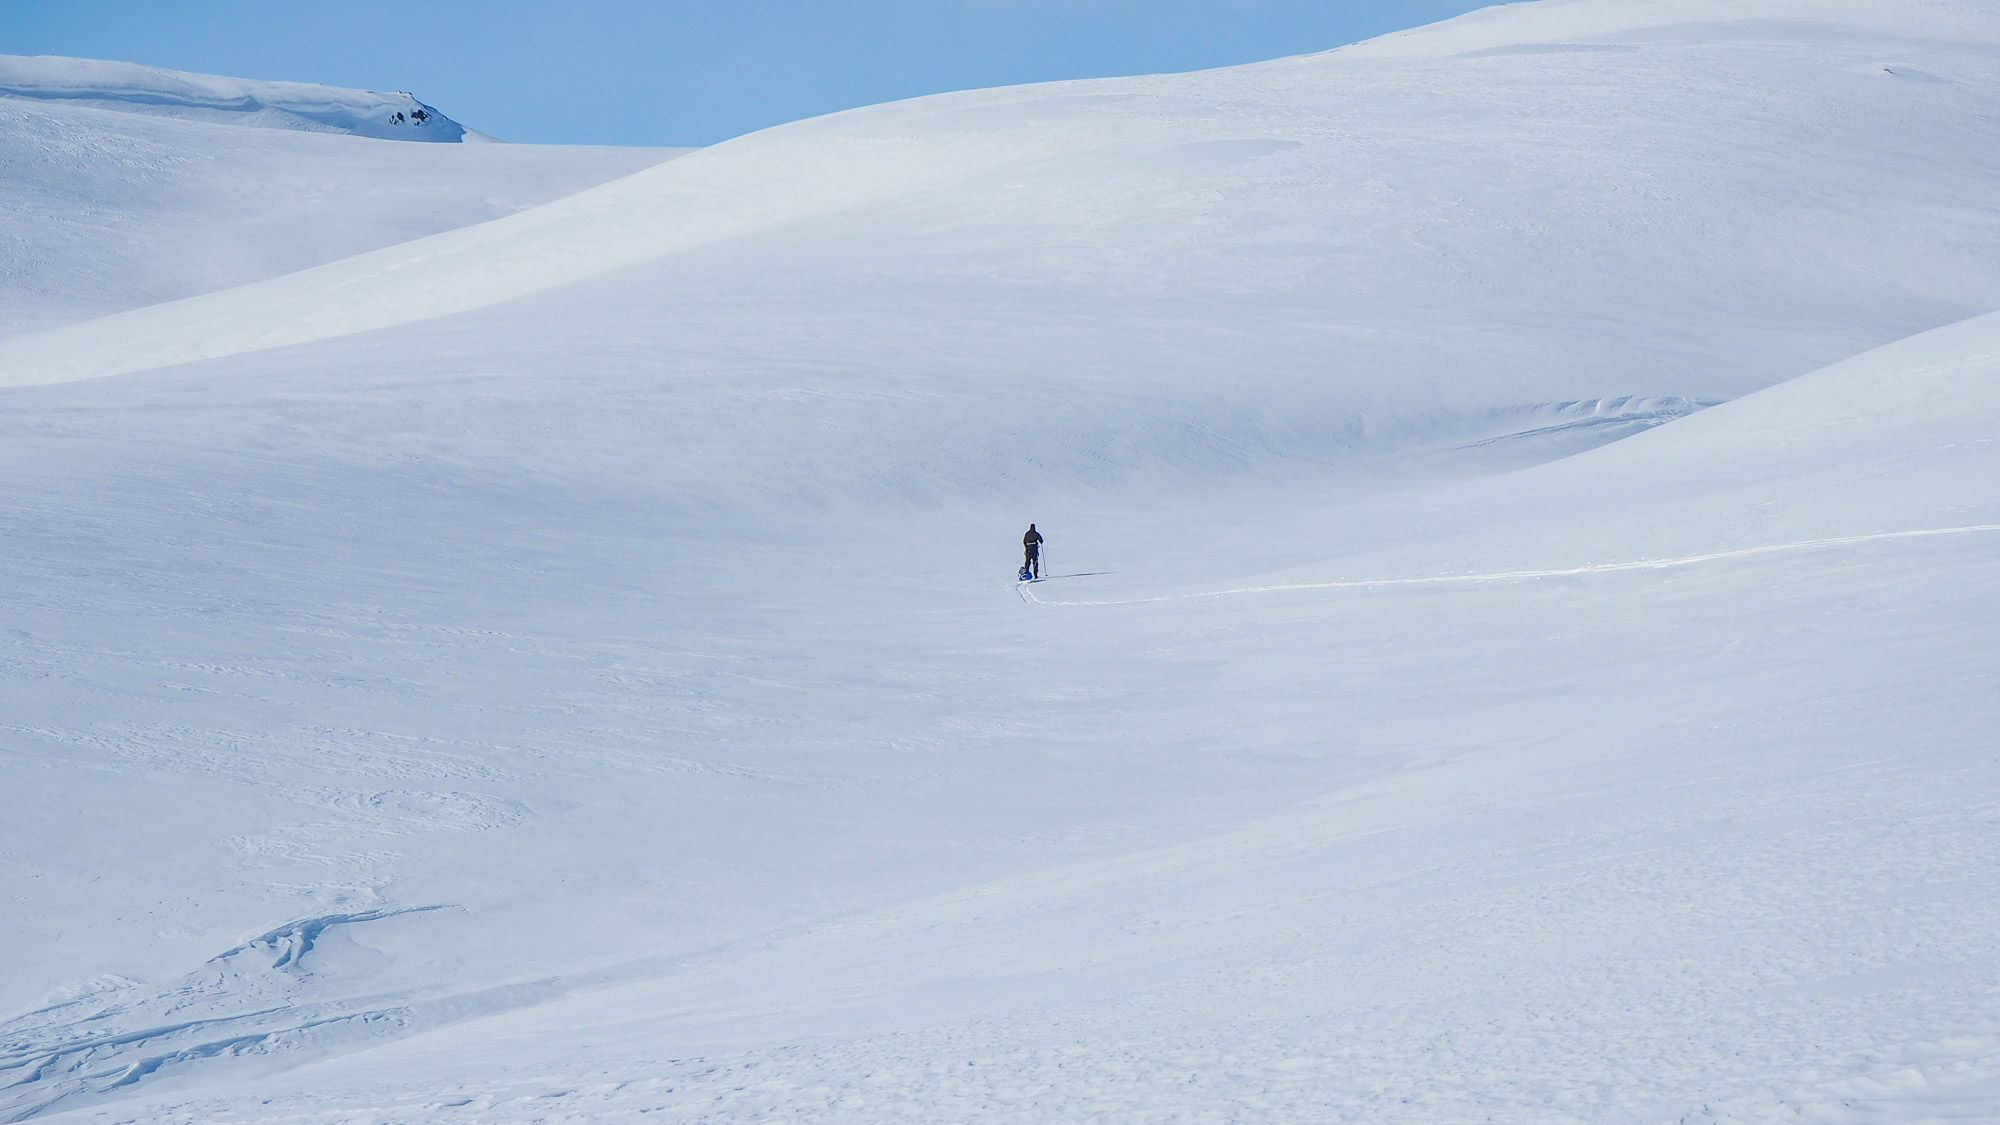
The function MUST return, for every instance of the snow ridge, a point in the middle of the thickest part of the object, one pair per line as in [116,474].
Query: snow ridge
[303,106]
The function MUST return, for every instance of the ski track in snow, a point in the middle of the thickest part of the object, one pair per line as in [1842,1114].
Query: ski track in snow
[238,1005]
[1026,590]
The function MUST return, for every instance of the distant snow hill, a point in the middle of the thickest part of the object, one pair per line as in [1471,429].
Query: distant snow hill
[301,106]
[1549,203]
[107,210]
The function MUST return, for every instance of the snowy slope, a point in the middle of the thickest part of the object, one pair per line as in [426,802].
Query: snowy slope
[565,669]
[156,91]
[1648,783]
[110,211]
[1552,27]
[1477,224]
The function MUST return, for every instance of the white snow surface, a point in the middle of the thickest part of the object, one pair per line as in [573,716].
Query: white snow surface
[1409,215]
[110,211]
[1523,507]
[300,106]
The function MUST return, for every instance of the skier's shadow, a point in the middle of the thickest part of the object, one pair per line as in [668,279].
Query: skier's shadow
[1079,574]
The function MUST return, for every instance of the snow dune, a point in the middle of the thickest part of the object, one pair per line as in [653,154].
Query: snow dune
[1519,642]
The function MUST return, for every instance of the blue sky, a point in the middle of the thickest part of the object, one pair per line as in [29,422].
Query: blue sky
[671,72]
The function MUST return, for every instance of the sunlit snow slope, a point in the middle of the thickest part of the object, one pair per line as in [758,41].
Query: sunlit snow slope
[1473,222]
[567,668]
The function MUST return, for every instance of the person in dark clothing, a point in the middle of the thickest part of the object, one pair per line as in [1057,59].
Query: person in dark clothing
[1032,541]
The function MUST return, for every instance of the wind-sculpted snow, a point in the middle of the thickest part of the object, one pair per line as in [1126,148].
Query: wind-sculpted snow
[268,1003]
[246,1003]
[206,97]
[1494,670]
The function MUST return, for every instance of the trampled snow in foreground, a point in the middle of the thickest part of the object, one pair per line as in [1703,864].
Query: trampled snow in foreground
[1518,644]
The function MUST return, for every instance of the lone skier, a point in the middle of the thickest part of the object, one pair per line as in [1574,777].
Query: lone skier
[1032,544]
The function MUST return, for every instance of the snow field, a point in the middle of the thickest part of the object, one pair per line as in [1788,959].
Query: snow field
[1769,897]
[1631,822]
[567,668]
